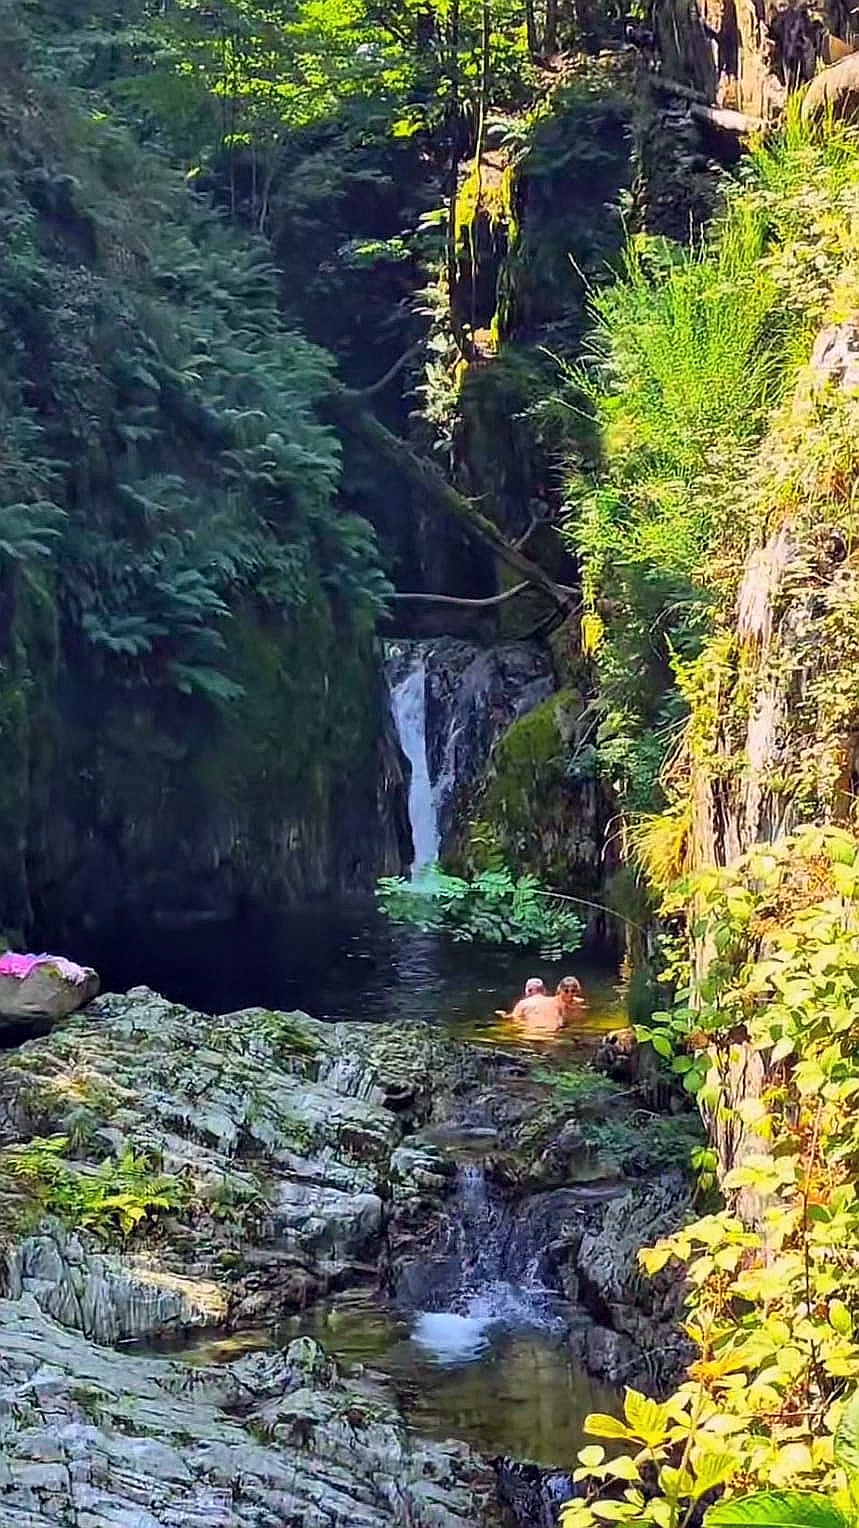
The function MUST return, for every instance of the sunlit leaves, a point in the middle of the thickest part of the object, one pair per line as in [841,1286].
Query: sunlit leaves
[494,906]
[776,1509]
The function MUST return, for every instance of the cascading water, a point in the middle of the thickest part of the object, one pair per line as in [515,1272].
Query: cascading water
[488,1280]
[408,706]
[451,702]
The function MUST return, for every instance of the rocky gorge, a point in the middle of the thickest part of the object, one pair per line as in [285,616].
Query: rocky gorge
[165,1172]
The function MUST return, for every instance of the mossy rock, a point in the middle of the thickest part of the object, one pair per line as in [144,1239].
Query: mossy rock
[541,805]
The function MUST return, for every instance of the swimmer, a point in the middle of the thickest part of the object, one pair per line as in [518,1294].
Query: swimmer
[569,998]
[543,1015]
[534,987]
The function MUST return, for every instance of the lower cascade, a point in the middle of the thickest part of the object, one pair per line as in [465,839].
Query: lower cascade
[487,1281]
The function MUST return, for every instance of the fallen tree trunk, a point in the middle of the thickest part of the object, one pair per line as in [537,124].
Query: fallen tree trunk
[720,116]
[345,411]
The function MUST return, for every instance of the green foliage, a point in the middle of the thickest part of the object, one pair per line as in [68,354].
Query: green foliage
[773,1286]
[642,1143]
[494,906]
[584,1089]
[169,460]
[692,352]
[242,75]
[547,757]
[124,1194]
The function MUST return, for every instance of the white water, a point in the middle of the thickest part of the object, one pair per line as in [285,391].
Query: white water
[408,705]
[488,1298]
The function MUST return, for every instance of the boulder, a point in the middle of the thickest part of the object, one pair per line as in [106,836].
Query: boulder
[834,90]
[43,987]
[635,1336]
[285,1136]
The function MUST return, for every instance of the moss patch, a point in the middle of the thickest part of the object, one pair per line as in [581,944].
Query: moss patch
[540,806]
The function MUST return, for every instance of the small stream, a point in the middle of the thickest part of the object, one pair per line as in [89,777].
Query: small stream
[476,1348]
[480,1350]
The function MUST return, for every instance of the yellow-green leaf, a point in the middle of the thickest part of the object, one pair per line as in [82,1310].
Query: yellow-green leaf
[840,1318]
[712,1469]
[592,1456]
[776,1509]
[623,1468]
[646,1418]
[600,1425]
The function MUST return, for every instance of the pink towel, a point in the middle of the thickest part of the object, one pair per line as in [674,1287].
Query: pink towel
[21,966]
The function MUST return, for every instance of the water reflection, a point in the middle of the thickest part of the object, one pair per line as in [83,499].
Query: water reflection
[515,1393]
[511,1392]
[336,961]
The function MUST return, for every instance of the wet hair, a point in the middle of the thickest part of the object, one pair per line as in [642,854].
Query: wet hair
[569,984]
[533,985]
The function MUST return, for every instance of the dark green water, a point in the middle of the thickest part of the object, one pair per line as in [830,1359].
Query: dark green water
[514,1393]
[338,960]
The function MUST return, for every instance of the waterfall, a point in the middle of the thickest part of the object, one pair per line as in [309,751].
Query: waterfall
[451,702]
[408,705]
[486,1279]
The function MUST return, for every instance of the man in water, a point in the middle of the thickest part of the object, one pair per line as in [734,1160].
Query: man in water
[534,987]
[540,1014]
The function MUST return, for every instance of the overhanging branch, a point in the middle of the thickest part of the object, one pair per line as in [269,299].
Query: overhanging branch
[361,394]
[455,599]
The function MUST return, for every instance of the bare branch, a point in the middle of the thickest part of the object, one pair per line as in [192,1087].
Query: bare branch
[455,599]
[363,393]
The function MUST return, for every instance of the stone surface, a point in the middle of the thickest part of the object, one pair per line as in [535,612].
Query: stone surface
[45,993]
[634,1336]
[834,90]
[94,1439]
[736,56]
[286,1135]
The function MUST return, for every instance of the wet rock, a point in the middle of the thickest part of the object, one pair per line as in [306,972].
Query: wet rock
[473,694]
[616,1056]
[418,1168]
[633,1337]
[104,1440]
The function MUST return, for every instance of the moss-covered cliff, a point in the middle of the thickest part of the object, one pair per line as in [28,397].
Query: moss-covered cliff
[186,631]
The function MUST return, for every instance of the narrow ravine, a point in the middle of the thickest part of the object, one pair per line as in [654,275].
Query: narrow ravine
[404,1208]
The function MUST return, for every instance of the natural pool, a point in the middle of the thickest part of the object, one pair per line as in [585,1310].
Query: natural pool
[493,1367]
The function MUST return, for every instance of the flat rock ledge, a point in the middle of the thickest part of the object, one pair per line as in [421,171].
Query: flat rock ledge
[91,1438]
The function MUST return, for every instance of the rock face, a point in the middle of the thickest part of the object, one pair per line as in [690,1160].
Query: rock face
[156,827]
[835,90]
[102,1440]
[782,749]
[738,56]
[282,1138]
[634,1336]
[290,1139]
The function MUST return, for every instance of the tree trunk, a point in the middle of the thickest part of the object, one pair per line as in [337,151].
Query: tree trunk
[550,43]
[531,29]
[743,1077]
